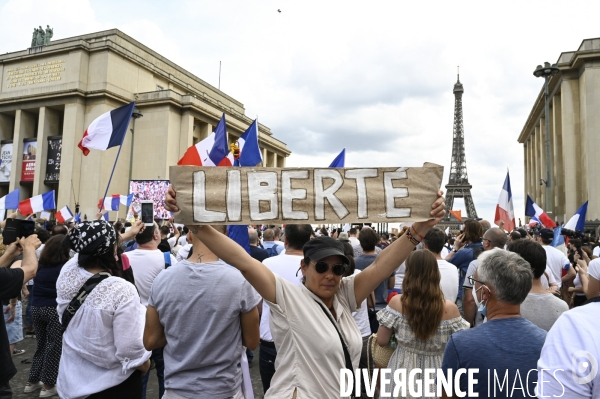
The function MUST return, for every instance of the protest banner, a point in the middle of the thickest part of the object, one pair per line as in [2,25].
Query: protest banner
[227,195]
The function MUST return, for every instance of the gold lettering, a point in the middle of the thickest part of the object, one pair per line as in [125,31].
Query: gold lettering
[38,73]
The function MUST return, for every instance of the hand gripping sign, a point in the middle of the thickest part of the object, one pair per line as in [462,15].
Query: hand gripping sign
[225,195]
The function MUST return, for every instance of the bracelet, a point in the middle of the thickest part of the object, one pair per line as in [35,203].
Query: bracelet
[412,239]
[415,230]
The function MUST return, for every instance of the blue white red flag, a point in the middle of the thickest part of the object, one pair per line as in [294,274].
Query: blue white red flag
[532,209]
[239,234]
[577,222]
[250,154]
[105,216]
[212,151]
[63,215]
[108,130]
[340,160]
[504,209]
[42,202]
[77,218]
[10,200]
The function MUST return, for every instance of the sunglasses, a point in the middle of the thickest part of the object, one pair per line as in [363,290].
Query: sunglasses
[322,267]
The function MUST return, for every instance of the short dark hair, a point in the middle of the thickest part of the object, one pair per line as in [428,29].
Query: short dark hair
[435,240]
[165,230]
[146,235]
[515,235]
[297,235]
[59,229]
[352,231]
[42,234]
[185,230]
[533,253]
[127,224]
[368,239]
[55,252]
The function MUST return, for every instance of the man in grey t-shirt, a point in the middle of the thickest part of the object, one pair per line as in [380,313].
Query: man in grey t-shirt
[202,310]
[540,307]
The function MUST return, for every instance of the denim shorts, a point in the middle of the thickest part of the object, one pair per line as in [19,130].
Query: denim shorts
[15,327]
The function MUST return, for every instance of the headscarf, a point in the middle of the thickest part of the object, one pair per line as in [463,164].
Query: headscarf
[92,238]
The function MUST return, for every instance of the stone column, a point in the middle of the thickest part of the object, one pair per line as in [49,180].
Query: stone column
[569,91]
[7,127]
[48,121]
[24,128]
[186,133]
[542,165]
[536,168]
[526,169]
[71,157]
[558,164]
[590,145]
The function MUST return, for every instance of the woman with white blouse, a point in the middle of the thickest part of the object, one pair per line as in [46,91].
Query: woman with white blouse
[312,325]
[103,355]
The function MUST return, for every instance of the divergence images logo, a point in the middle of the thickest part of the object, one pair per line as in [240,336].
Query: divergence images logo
[585,367]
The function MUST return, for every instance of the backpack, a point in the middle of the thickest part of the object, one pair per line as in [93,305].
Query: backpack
[273,251]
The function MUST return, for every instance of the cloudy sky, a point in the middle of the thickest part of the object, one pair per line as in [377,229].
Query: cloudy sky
[374,77]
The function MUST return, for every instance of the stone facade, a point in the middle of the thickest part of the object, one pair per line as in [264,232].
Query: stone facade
[574,99]
[60,90]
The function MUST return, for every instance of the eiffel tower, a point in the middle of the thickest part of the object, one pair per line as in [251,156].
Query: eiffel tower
[458,184]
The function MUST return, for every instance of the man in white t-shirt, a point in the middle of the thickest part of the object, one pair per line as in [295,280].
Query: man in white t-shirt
[285,265]
[147,261]
[352,237]
[434,241]
[492,238]
[556,260]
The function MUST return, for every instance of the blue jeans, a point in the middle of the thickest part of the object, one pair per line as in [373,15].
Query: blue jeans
[266,364]
[159,361]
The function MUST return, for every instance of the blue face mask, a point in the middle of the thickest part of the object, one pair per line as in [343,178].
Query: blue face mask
[481,307]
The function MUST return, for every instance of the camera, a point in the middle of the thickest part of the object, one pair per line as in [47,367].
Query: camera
[17,228]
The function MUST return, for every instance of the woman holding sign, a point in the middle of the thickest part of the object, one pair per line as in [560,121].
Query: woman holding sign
[312,325]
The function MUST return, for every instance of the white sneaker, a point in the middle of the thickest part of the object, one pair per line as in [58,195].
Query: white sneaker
[30,387]
[46,393]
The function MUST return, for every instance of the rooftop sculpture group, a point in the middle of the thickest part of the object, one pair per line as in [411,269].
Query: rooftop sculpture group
[41,37]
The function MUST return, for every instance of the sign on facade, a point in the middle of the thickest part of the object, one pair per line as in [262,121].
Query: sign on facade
[29,154]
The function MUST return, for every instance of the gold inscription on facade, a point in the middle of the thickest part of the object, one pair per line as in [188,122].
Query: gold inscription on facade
[27,75]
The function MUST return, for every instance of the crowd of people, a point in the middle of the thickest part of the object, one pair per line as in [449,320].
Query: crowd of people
[151,190]
[111,304]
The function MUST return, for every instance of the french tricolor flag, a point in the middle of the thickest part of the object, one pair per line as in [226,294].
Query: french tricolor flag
[504,209]
[43,202]
[108,130]
[10,200]
[212,151]
[340,160]
[250,154]
[577,222]
[532,209]
[63,215]
[112,203]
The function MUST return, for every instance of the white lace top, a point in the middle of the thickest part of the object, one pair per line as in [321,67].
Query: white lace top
[102,345]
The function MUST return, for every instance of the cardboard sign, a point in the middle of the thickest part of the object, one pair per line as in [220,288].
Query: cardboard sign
[228,195]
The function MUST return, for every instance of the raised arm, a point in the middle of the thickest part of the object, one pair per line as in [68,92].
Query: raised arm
[392,257]
[257,274]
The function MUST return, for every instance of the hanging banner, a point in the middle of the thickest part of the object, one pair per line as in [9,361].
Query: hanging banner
[225,195]
[29,154]
[53,162]
[6,153]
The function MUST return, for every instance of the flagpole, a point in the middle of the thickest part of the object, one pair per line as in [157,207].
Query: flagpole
[110,178]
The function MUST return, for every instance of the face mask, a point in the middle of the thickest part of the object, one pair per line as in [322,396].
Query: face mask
[481,308]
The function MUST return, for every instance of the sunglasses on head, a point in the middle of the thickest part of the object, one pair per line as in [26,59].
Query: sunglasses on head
[322,267]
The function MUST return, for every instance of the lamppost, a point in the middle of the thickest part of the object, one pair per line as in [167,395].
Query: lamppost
[547,71]
[135,115]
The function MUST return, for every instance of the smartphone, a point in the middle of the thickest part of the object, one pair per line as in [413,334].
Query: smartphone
[147,213]
[17,228]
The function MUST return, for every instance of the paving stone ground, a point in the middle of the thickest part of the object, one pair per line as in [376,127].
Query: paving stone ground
[29,344]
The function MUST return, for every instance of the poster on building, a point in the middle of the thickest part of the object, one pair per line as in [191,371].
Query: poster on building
[6,151]
[29,154]
[53,162]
